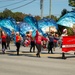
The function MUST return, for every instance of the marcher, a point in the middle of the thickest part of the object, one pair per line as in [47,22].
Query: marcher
[8,39]
[50,43]
[3,36]
[32,44]
[12,35]
[18,41]
[63,34]
[56,38]
[38,40]
[0,34]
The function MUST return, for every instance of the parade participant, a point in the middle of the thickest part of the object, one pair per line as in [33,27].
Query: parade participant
[8,39]
[50,43]
[27,39]
[12,35]
[38,40]
[63,34]
[32,44]
[56,38]
[18,41]
[31,41]
[3,36]
[0,34]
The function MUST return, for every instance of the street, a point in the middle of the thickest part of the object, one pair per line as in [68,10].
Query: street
[28,64]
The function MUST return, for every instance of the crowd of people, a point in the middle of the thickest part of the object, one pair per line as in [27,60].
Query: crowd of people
[50,42]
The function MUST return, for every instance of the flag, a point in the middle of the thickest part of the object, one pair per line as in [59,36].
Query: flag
[67,20]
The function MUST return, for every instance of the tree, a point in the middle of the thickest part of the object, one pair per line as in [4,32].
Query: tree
[53,17]
[7,13]
[38,17]
[18,16]
[63,12]
[1,15]
[71,3]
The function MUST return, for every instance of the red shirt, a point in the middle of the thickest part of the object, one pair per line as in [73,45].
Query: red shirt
[18,38]
[39,38]
[3,38]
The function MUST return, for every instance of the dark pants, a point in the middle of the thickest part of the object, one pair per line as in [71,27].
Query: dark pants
[50,46]
[33,48]
[4,46]
[8,45]
[18,47]
[38,46]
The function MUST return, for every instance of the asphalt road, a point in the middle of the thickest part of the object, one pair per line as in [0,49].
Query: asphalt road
[28,64]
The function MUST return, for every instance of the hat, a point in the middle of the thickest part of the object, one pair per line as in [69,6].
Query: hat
[17,33]
[64,30]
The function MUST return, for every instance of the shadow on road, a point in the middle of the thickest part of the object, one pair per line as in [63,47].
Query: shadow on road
[55,57]
[71,56]
[22,53]
[28,55]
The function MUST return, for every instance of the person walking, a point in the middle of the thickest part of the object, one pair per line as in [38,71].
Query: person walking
[32,44]
[18,40]
[0,34]
[63,34]
[8,39]
[38,40]
[56,38]
[50,43]
[3,37]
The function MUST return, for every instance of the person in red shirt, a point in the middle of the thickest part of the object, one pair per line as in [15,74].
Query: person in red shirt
[38,40]
[18,41]
[3,36]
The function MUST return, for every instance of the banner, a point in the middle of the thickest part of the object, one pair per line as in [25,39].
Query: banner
[68,43]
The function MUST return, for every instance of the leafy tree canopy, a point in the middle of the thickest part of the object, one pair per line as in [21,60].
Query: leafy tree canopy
[71,3]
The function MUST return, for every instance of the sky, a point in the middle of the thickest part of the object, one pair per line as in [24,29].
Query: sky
[34,8]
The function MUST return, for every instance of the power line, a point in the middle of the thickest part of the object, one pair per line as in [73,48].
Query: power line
[23,5]
[6,0]
[13,3]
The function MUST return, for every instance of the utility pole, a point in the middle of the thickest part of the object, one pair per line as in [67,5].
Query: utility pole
[41,8]
[50,9]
